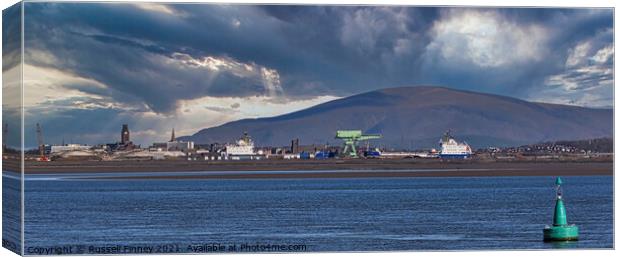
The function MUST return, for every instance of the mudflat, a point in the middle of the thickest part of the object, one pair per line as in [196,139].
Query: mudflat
[343,168]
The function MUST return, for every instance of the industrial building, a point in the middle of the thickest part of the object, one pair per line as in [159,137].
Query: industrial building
[69,147]
[180,146]
[173,145]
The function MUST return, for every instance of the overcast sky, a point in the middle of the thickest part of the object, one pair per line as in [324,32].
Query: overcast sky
[90,67]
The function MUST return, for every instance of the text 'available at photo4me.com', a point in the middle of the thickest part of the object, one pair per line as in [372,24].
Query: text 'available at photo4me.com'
[166,248]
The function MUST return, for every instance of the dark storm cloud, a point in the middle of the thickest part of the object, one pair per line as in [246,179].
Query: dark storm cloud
[131,51]
[354,49]
[11,37]
[560,31]
[315,49]
[311,53]
[11,57]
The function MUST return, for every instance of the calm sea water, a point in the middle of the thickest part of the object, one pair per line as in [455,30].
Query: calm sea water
[321,214]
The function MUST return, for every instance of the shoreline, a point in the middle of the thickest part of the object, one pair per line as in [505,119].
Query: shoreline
[363,174]
[338,168]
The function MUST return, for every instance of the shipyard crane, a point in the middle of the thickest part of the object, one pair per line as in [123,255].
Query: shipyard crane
[42,156]
[350,138]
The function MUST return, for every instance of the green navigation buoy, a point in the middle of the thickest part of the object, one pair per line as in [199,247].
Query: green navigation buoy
[560,230]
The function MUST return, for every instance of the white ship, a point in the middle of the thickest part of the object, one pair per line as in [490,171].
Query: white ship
[450,148]
[243,149]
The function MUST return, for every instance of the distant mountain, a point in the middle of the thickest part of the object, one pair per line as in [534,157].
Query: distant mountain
[416,117]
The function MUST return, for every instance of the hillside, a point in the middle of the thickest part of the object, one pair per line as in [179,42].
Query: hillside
[415,117]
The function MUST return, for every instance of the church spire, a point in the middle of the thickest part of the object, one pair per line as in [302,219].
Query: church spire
[172,139]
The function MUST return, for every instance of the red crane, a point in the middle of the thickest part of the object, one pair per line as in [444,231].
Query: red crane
[42,157]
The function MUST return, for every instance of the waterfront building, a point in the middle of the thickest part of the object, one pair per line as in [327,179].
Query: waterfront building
[69,147]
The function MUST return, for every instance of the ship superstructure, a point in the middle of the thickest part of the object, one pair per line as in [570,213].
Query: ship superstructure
[450,148]
[242,149]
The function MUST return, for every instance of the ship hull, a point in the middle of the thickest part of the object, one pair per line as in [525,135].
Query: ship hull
[454,156]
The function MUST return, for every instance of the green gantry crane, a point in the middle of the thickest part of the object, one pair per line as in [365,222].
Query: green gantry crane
[351,137]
